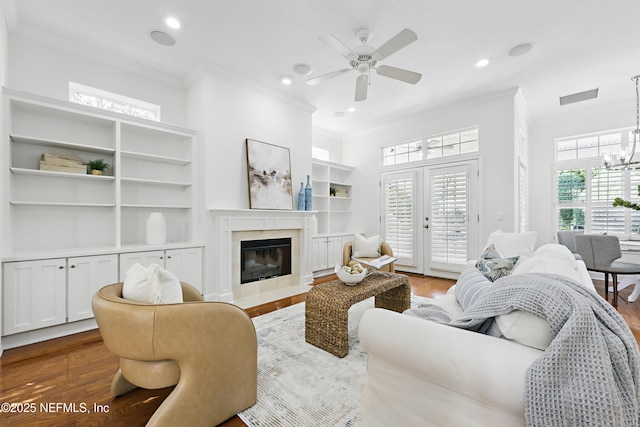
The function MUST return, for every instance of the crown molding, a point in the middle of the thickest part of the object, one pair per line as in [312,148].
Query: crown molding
[203,68]
[326,132]
[399,117]
[95,50]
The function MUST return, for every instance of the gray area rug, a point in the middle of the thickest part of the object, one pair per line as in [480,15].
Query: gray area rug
[300,385]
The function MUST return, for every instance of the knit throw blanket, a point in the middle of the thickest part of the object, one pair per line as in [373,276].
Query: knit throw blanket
[590,373]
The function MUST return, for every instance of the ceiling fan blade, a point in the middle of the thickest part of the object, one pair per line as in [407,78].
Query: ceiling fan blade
[396,43]
[335,44]
[319,79]
[399,74]
[361,87]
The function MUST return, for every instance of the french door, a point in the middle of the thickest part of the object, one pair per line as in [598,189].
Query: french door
[450,217]
[430,217]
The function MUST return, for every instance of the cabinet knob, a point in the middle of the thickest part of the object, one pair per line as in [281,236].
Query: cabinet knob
[161,257]
[61,267]
[73,266]
[168,256]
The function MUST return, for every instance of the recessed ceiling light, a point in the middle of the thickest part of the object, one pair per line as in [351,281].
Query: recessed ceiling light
[482,63]
[302,69]
[351,109]
[521,49]
[162,38]
[286,80]
[172,22]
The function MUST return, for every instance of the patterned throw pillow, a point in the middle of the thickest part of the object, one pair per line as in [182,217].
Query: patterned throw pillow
[493,265]
[470,285]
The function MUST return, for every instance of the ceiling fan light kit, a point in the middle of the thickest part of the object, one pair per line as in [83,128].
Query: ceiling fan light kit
[365,58]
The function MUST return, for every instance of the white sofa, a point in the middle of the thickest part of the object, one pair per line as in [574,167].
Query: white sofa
[421,373]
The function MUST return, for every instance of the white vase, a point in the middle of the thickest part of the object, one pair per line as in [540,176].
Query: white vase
[156,229]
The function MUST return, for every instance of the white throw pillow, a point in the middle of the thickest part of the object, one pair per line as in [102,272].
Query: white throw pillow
[514,244]
[524,328]
[152,284]
[366,247]
[551,258]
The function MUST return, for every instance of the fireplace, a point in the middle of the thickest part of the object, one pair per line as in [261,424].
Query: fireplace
[229,228]
[264,259]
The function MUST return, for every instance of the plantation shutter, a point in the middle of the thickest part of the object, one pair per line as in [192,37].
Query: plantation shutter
[634,197]
[399,215]
[523,198]
[449,216]
[605,187]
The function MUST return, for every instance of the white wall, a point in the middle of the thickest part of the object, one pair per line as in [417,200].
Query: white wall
[323,138]
[541,156]
[44,69]
[227,112]
[4,47]
[494,115]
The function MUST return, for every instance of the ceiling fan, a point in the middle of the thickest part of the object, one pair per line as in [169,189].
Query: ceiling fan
[365,58]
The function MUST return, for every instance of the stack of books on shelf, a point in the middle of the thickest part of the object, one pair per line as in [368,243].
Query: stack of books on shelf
[59,163]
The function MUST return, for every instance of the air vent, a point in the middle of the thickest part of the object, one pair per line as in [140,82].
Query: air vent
[578,97]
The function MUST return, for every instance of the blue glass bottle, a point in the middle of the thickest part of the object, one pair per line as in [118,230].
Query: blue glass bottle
[307,196]
[301,198]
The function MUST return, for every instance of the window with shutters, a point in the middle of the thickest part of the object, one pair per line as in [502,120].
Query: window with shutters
[449,215]
[399,222]
[523,197]
[585,190]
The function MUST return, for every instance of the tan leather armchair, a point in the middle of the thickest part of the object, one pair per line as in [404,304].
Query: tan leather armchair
[385,249]
[208,350]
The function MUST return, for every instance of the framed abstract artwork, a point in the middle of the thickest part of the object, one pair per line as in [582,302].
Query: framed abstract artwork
[269,170]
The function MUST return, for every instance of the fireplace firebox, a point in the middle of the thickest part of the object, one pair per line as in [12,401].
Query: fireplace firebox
[264,259]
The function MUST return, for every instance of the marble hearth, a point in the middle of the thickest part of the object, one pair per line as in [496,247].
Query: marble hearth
[230,227]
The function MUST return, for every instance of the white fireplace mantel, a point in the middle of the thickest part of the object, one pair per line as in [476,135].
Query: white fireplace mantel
[224,222]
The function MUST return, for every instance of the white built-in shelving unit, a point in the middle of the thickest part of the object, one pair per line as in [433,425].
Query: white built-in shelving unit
[52,218]
[332,200]
[334,211]
[53,212]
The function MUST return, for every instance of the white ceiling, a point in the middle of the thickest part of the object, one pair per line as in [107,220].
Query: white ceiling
[579,45]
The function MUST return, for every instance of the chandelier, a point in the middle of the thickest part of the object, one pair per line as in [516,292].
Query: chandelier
[624,159]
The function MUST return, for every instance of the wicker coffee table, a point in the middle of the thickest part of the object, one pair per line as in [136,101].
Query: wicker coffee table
[327,307]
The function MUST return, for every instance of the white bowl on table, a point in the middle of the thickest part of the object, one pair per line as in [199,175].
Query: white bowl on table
[348,278]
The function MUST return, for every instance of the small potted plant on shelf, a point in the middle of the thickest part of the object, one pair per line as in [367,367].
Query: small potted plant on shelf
[97,166]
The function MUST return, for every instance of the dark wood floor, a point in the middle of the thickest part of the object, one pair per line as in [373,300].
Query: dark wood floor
[78,370]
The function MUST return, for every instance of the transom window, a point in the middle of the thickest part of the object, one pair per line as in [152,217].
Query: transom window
[98,98]
[433,147]
[320,153]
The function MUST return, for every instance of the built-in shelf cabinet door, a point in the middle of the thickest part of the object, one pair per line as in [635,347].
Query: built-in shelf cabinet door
[127,260]
[34,295]
[326,252]
[334,251]
[186,265]
[318,253]
[86,275]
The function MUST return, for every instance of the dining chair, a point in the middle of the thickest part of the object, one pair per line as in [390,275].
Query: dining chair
[600,253]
